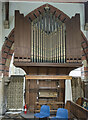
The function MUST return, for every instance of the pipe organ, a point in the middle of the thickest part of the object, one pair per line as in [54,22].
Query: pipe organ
[47,37]
[48,41]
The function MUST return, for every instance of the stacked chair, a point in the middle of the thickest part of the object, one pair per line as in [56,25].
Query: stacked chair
[62,114]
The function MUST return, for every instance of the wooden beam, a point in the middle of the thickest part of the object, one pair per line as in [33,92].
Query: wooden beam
[7,11]
[6,22]
[74,65]
[45,77]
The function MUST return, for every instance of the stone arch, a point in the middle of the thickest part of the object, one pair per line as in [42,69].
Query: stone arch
[35,13]
[6,54]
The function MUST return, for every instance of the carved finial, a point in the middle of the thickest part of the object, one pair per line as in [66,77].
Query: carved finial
[47,7]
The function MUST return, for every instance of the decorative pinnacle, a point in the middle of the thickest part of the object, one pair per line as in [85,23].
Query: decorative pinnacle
[47,7]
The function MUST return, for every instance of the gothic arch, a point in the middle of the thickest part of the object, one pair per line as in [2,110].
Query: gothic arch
[6,54]
[36,13]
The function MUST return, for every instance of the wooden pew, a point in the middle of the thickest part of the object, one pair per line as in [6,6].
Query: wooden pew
[80,101]
[77,111]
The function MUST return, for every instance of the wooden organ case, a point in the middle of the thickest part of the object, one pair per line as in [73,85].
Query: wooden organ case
[46,44]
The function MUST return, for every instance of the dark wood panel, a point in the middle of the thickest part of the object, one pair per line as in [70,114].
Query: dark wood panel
[32,70]
[44,86]
[42,71]
[86,12]
[22,36]
[73,38]
[58,65]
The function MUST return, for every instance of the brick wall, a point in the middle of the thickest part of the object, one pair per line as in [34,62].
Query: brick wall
[6,54]
[84,45]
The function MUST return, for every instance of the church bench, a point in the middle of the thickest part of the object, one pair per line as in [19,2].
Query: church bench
[76,110]
[81,100]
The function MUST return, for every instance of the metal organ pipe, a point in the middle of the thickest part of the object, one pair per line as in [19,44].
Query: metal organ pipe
[48,39]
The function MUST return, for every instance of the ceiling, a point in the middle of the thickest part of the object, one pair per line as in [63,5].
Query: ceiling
[54,1]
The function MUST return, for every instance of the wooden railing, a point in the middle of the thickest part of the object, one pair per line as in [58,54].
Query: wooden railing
[76,110]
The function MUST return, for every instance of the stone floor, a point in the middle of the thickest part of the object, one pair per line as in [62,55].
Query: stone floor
[17,116]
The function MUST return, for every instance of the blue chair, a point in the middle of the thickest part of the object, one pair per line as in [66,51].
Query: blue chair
[62,114]
[44,112]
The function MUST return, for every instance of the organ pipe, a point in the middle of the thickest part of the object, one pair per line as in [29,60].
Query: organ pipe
[48,39]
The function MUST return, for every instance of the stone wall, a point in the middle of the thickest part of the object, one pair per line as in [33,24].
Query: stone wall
[77,88]
[15,93]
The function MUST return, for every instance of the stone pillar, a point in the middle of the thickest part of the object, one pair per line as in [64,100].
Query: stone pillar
[68,90]
[1,95]
[1,25]
[1,80]
[85,78]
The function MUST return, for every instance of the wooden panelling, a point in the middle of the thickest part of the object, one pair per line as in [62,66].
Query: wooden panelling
[73,38]
[33,70]
[47,84]
[73,65]
[44,91]
[53,106]
[32,101]
[33,84]
[42,71]
[43,85]
[52,71]
[22,36]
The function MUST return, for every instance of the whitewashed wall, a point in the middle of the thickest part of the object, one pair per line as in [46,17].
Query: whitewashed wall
[0,24]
